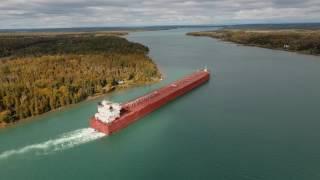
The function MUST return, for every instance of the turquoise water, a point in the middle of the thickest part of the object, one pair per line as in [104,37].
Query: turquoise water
[257,118]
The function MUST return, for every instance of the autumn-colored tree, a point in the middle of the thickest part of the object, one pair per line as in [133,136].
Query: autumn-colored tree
[45,74]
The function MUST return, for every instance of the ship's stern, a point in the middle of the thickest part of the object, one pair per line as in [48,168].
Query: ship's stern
[99,126]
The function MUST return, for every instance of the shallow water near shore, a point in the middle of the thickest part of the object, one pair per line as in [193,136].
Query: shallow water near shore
[257,118]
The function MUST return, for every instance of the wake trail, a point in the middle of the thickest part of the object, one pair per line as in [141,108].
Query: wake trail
[63,142]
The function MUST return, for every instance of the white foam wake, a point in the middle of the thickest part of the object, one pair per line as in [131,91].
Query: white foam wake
[65,141]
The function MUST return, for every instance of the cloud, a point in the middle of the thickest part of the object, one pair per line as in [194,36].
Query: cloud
[78,13]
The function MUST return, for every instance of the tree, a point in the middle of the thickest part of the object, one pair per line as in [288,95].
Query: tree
[5,116]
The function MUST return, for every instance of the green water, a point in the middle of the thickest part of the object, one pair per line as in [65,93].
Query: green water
[258,118]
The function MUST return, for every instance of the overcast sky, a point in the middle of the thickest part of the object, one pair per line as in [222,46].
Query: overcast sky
[84,13]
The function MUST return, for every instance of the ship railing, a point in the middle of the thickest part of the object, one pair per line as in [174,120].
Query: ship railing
[146,98]
[142,99]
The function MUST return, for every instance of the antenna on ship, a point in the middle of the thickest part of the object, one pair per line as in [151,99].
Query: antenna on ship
[205,69]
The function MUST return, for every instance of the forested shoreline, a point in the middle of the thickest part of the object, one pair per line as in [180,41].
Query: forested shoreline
[42,73]
[302,41]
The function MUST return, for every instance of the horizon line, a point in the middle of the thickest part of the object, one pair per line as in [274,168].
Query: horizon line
[151,26]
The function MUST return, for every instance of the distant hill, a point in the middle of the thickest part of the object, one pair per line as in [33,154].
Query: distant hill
[89,29]
[98,29]
[310,26]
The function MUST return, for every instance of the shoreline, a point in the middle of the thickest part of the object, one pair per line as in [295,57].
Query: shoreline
[263,47]
[90,98]
[221,36]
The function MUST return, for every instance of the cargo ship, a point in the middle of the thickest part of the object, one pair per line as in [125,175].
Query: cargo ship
[112,117]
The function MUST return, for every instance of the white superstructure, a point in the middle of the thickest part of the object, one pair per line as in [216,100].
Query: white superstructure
[108,111]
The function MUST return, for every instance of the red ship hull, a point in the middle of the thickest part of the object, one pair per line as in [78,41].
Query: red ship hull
[136,109]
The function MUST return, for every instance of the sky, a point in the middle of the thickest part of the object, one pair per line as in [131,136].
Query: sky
[16,14]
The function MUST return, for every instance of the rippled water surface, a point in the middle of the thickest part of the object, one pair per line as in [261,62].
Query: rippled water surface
[257,118]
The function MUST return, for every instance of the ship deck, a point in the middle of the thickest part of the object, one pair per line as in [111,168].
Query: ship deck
[165,91]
